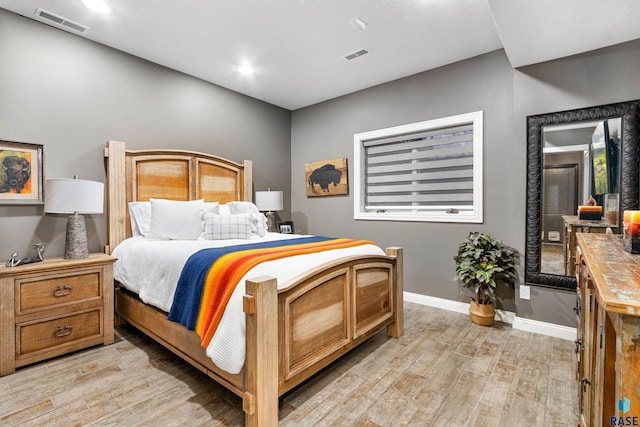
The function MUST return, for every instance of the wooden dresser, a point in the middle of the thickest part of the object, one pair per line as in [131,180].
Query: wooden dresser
[608,342]
[54,307]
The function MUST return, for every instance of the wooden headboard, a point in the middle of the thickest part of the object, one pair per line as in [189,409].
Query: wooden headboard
[139,175]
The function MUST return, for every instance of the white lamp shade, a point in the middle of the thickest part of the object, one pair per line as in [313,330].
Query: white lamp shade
[67,196]
[269,200]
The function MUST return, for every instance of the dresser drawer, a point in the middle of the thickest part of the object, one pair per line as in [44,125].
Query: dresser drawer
[62,331]
[56,290]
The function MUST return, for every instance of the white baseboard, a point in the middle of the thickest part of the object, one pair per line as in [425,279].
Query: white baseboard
[544,328]
[535,326]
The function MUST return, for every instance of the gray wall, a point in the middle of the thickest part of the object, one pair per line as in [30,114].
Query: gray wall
[73,95]
[507,96]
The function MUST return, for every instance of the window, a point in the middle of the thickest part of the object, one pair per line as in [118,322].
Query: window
[427,171]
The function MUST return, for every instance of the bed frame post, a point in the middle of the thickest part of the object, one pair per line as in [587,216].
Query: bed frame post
[396,329]
[116,194]
[248,180]
[260,400]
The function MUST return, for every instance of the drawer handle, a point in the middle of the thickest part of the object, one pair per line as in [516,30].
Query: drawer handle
[63,331]
[62,291]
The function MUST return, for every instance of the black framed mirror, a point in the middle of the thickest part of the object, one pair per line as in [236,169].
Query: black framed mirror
[625,181]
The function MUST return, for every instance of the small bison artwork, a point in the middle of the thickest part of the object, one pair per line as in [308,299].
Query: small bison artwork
[324,176]
[327,178]
[15,174]
[20,173]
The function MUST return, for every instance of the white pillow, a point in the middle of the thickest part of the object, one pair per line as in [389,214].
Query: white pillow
[224,210]
[213,207]
[224,227]
[176,220]
[140,216]
[260,224]
[242,207]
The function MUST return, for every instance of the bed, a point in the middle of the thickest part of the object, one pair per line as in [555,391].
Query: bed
[292,331]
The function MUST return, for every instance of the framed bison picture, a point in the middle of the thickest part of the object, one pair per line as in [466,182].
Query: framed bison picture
[326,178]
[21,180]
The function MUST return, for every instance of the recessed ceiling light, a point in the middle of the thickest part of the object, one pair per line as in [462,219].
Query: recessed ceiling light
[97,6]
[247,70]
[359,24]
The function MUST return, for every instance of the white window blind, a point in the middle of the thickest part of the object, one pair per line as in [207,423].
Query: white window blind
[427,171]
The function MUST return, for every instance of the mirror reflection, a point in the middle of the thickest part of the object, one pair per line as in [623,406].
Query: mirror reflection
[581,166]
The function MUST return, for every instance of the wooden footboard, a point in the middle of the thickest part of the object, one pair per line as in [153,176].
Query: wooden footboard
[292,333]
[335,309]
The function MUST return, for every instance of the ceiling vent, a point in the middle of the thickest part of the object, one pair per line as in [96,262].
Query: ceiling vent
[52,18]
[354,55]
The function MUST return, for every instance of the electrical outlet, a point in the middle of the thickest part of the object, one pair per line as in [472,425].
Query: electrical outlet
[525,292]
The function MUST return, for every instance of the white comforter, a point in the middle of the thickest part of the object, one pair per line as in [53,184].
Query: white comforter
[151,268]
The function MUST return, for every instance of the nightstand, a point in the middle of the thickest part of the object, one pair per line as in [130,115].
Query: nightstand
[54,307]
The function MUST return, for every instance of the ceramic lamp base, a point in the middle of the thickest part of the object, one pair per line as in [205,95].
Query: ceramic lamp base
[75,245]
[271,221]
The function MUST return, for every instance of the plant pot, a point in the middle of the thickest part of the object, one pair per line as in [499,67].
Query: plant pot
[482,314]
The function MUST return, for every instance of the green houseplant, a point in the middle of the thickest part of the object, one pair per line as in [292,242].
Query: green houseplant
[481,263]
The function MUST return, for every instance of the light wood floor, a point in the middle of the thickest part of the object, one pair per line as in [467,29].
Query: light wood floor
[445,371]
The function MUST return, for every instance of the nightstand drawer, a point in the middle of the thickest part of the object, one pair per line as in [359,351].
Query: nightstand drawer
[57,332]
[56,290]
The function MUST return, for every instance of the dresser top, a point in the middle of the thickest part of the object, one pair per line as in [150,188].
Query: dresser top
[575,221]
[615,272]
[56,263]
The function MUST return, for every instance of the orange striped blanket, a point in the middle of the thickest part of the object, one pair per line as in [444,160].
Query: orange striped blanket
[203,312]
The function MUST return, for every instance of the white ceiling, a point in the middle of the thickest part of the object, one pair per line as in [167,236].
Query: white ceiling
[297,47]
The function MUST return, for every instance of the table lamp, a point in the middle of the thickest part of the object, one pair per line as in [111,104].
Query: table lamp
[269,201]
[75,197]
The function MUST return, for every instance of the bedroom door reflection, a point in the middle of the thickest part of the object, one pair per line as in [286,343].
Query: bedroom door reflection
[560,197]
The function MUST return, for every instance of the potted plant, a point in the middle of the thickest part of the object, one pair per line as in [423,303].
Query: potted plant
[481,263]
